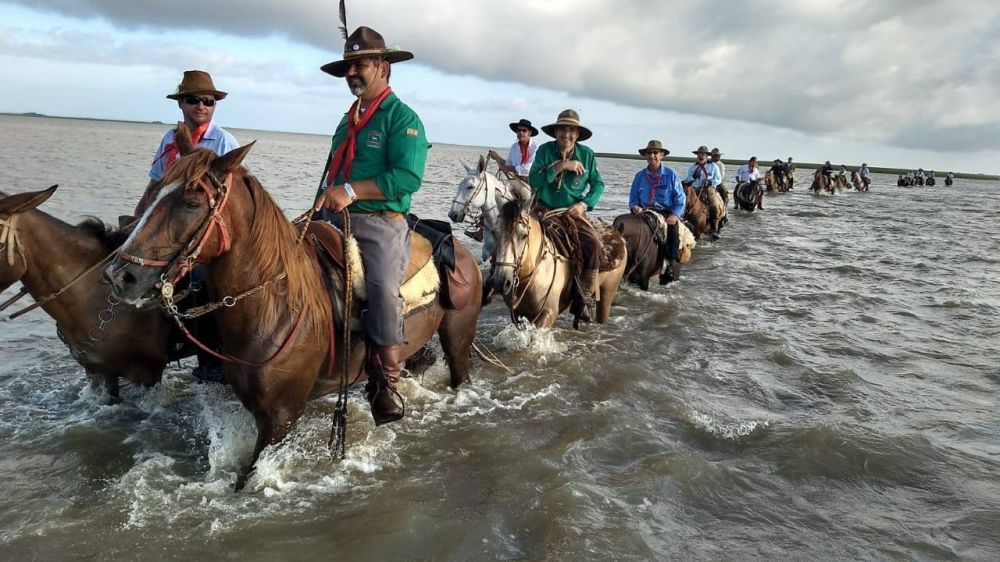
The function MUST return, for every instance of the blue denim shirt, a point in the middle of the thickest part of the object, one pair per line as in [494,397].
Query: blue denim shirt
[714,176]
[666,194]
[216,139]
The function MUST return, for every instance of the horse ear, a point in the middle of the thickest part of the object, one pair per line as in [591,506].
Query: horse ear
[482,164]
[232,160]
[468,169]
[22,202]
[182,137]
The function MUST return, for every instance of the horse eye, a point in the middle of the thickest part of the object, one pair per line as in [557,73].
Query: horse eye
[191,205]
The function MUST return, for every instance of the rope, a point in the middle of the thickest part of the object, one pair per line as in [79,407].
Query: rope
[338,432]
[491,358]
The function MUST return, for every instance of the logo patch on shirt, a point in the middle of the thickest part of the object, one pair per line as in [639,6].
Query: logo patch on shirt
[374,139]
[411,132]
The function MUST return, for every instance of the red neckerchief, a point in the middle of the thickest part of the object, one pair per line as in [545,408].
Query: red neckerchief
[170,151]
[654,181]
[524,152]
[344,155]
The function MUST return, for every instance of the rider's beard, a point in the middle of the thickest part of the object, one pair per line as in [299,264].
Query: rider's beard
[357,86]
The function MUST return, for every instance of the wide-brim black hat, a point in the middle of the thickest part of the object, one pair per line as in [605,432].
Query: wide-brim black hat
[526,124]
[364,42]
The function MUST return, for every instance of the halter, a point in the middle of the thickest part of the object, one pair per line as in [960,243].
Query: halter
[184,261]
[524,219]
[481,183]
[8,239]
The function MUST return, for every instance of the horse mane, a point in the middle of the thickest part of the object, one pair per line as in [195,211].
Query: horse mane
[111,238]
[274,243]
[509,212]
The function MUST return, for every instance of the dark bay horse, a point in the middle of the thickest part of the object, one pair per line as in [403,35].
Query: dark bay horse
[280,342]
[110,340]
[749,196]
[645,256]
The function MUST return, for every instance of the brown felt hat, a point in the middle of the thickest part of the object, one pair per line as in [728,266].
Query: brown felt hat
[716,152]
[196,83]
[653,145]
[701,149]
[364,42]
[570,118]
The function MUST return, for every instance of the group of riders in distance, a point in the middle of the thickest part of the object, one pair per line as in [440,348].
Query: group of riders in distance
[920,177]
[284,311]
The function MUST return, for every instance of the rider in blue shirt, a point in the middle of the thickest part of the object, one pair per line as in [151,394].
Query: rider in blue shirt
[658,188]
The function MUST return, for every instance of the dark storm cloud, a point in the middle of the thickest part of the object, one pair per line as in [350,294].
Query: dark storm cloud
[916,74]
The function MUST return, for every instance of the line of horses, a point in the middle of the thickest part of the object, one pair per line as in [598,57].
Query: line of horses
[911,181]
[281,293]
[830,185]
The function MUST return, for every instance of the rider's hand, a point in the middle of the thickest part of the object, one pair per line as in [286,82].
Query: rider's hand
[636,210]
[573,166]
[577,210]
[334,199]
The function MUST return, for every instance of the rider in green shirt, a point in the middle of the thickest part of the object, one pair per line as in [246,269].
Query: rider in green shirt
[376,164]
[565,176]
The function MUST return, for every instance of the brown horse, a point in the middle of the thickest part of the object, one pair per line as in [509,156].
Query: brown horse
[536,279]
[775,186]
[822,183]
[645,256]
[279,342]
[110,340]
[749,196]
[696,213]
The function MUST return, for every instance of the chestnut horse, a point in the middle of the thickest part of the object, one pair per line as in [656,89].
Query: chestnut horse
[109,340]
[696,213]
[536,280]
[645,256]
[822,183]
[279,342]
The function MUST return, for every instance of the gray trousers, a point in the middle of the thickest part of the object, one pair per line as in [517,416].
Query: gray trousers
[385,251]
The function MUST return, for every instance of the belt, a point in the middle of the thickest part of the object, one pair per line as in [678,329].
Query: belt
[387,214]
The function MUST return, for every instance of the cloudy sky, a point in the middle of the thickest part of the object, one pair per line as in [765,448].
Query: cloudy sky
[896,82]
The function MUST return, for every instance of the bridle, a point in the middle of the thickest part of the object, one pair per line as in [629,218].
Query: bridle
[8,239]
[185,260]
[523,219]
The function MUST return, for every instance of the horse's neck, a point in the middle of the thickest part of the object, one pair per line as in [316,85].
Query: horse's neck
[55,252]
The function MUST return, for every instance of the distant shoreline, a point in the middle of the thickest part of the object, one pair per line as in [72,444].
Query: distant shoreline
[679,159]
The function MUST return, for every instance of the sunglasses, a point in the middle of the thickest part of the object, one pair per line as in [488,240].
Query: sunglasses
[195,100]
[524,130]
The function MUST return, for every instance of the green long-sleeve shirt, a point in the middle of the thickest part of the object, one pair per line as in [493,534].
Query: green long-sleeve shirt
[571,188]
[392,150]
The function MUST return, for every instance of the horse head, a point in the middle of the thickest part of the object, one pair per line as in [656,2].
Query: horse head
[184,226]
[474,192]
[520,236]
[13,263]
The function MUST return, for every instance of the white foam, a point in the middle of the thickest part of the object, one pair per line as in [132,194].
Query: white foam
[728,430]
[530,338]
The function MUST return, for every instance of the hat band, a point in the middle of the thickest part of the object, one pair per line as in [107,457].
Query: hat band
[365,52]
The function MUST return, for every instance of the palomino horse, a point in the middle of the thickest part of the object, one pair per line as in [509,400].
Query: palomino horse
[58,265]
[536,279]
[645,255]
[715,209]
[481,195]
[749,195]
[277,325]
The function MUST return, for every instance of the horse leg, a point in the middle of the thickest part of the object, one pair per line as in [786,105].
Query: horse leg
[607,291]
[457,332]
[272,427]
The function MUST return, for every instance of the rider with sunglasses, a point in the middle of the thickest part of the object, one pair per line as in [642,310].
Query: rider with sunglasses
[196,96]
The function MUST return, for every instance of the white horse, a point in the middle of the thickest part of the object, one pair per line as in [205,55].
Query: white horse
[481,195]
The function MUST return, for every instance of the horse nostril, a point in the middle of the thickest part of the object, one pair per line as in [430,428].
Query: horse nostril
[128,279]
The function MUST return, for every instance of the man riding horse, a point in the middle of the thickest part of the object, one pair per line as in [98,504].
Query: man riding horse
[565,176]
[376,164]
[705,175]
[657,188]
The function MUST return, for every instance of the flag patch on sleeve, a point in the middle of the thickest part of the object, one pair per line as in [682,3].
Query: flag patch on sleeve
[411,132]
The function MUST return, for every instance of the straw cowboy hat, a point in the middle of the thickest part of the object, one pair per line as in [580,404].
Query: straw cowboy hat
[653,145]
[715,152]
[571,118]
[526,124]
[701,149]
[196,83]
[364,42]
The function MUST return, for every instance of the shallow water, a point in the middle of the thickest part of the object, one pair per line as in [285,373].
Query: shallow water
[821,383]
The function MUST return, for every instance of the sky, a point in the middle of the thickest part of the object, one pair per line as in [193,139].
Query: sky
[901,83]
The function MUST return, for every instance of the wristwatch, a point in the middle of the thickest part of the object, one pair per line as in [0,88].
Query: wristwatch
[350,191]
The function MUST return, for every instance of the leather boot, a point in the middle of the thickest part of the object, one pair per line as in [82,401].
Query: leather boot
[585,304]
[671,252]
[383,374]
